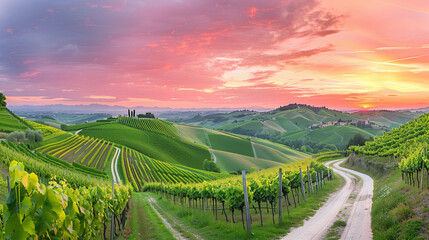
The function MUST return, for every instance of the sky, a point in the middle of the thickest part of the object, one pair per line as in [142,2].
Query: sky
[216,54]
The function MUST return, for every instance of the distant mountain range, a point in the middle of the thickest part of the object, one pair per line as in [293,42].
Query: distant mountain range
[115,110]
[167,112]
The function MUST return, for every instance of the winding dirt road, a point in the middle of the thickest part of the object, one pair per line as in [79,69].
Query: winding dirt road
[359,222]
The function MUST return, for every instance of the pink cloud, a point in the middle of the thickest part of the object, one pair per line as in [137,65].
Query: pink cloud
[29,74]
[9,31]
[330,53]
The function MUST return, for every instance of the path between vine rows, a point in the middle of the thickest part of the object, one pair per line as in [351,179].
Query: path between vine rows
[359,221]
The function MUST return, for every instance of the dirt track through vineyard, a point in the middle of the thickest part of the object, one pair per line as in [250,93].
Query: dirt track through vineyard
[359,222]
[114,166]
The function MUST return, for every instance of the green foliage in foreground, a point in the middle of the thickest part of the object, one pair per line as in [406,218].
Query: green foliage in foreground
[57,211]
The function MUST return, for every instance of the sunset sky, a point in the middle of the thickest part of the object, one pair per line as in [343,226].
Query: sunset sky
[195,54]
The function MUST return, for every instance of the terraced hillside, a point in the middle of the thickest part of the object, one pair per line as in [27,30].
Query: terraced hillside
[91,152]
[9,122]
[74,166]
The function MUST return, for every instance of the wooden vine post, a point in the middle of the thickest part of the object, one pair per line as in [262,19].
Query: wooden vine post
[246,203]
[423,168]
[112,229]
[309,181]
[302,184]
[317,182]
[280,195]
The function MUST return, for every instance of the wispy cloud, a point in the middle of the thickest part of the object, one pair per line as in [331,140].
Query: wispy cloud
[101,97]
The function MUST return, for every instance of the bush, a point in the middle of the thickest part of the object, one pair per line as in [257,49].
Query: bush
[211,166]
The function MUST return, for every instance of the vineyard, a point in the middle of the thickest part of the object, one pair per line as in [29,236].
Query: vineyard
[407,144]
[262,189]
[158,146]
[58,211]
[401,141]
[140,170]
[23,149]
[48,168]
[153,125]
[46,130]
[9,122]
[91,152]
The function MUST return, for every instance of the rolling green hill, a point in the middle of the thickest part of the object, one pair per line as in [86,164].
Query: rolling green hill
[93,156]
[154,145]
[233,152]
[297,125]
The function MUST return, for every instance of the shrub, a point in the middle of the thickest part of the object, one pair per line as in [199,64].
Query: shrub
[401,212]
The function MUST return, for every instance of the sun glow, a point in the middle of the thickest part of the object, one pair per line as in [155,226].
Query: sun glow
[366,106]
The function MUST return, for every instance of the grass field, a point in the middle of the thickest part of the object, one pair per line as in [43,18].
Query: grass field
[154,145]
[229,143]
[290,153]
[228,161]
[234,152]
[339,135]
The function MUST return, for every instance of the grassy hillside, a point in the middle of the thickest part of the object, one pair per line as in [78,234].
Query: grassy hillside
[234,152]
[390,119]
[154,145]
[339,135]
[229,143]
[9,122]
[290,124]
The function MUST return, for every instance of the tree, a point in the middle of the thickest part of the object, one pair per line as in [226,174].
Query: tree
[211,166]
[357,140]
[16,137]
[2,100]
[34,135]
